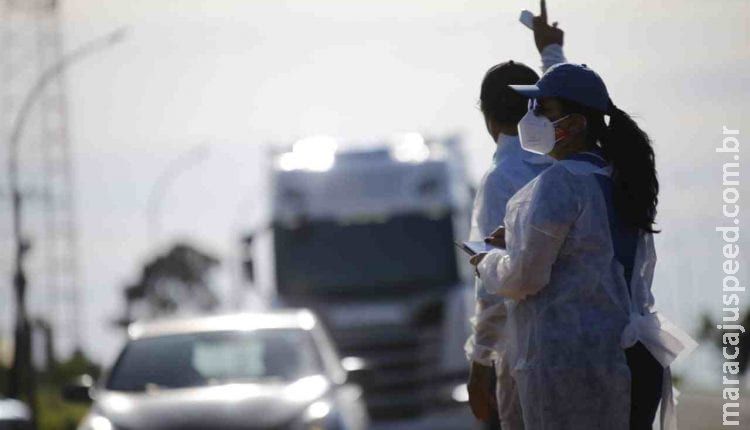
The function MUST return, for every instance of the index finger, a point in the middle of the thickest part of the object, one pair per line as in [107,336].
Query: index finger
[543,7]
[498,231]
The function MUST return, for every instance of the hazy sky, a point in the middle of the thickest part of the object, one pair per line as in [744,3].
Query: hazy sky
[240,74]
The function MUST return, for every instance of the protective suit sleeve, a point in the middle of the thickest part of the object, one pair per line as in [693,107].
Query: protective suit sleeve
[537,224]
[486,340]
[645,263]
[552,54]
[663,339]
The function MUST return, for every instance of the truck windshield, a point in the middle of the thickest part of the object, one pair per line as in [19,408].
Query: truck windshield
[406,251]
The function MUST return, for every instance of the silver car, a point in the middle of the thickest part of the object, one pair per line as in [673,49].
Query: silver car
[14,415]
[249,371]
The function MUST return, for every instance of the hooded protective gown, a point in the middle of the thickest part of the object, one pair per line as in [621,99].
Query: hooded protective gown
[572,313]
[511,169]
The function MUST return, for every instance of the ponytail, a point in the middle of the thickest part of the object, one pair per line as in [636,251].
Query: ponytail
[629,151]
[636,186]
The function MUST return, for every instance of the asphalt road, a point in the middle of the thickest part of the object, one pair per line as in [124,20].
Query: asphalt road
[703,411]
[695,411]
[450,420]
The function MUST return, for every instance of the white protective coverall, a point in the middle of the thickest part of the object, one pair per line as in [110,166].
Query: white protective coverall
[571,315]
[512,168]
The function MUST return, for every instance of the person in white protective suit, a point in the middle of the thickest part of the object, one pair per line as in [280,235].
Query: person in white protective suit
[584,345]
[511,169]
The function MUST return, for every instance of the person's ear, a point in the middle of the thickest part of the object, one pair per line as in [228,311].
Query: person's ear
[578,123]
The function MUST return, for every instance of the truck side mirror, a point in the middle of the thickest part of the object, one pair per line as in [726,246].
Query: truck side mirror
[79,390]
[248,266]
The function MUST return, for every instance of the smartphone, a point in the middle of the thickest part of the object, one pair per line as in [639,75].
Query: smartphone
[527,19]
[465,248]
[474,248]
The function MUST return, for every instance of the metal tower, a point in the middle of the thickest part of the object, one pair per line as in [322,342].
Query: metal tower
[31,43]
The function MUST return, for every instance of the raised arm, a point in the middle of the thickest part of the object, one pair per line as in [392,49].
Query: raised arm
[548,39]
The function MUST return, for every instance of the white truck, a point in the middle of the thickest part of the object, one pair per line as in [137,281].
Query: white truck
[365,238]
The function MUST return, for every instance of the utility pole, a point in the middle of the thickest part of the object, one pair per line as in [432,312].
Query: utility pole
[36,20]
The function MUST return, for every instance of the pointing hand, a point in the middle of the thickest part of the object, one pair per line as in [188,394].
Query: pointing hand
[544,34]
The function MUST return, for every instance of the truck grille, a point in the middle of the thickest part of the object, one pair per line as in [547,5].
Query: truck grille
[402,365]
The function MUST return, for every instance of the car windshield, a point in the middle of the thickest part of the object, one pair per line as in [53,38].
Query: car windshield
[198,359]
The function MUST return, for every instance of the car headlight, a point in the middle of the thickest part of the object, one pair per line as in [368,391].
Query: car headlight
[319,416]
[94,421]
[317,410]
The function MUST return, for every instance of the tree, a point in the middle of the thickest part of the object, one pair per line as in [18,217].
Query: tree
[172,283]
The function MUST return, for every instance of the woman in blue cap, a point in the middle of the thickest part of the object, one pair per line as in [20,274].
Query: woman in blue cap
[586,349]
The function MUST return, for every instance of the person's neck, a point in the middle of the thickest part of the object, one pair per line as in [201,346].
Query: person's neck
[565,150]
[510,132]
[505,129]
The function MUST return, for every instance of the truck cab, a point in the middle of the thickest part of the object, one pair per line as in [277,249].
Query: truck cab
[365,237]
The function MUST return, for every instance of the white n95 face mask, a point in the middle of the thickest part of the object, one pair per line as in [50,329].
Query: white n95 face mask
[537,133]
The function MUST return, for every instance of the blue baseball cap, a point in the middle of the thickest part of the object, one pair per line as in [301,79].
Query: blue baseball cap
[574,82]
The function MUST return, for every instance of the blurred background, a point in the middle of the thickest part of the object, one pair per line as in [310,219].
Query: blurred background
[145,143]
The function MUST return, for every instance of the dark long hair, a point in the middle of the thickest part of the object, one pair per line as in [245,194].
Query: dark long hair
[629,150]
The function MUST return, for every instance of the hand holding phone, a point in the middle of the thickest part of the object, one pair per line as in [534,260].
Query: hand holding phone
[544,34]
[475,260]
[474,248]
[496,238]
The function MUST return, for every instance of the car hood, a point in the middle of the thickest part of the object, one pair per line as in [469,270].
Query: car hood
[14,410]
[231,406]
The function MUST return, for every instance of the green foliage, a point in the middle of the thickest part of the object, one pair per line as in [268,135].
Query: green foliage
[174,281]
[64,372]
[3,379]
[54,413]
